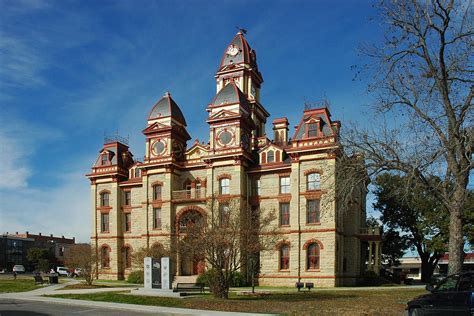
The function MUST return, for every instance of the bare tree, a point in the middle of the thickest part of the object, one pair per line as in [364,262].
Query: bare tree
[82,256]
[155,251]
[424,80]
[226,238]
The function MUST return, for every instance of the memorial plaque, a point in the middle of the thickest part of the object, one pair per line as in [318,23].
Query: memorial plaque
[152,273]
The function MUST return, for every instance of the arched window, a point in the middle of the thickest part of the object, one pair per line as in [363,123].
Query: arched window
[284,257]
[198,189]
[224,186]
[105,257]
[313,181]
[104,199]
[127,257]
[157,192]
[224,214]
[270,156]
[312,257]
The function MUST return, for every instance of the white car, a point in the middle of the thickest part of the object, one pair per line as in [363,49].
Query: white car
[62,271]
[18,268]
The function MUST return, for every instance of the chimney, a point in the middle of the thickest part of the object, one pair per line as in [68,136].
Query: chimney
[280,129]
[51,235]
[39,234]
[16,233]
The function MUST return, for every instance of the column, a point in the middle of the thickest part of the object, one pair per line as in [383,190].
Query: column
[369,264]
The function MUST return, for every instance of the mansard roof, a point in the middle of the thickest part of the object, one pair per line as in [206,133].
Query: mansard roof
[327,127]
[230,94]
[245,55]
[165,107]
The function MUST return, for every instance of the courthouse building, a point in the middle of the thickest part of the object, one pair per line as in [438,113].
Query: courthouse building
[145,203]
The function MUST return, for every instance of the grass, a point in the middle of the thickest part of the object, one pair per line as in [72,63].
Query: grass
[84,285]
[19,285]
[368,302]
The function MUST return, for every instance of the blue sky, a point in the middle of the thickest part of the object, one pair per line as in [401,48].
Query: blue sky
[72,70]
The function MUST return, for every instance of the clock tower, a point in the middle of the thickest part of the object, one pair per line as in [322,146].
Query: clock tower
[238,67]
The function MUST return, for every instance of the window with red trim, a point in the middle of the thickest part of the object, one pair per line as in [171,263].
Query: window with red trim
[313,181]
[284,214]
[104,222]
[284,257]
[127,198]
[312,129]
[312,257]
[128,222]
[313,211]
[224,186]
[104,199]
[105,257]
[156,217]
[157,188]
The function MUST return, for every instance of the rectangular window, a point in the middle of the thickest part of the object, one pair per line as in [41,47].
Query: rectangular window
[157,192]
[156,218]
[312,207]
[137,173]
[104,199]
[313,181]
[104,220]
[256,187]
[284,185]
[224,186]
[312,130]
[104,160]
[128,222]
[127,196]
[284,214]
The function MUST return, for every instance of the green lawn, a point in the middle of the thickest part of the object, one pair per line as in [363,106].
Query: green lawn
[19,285]
[344,302]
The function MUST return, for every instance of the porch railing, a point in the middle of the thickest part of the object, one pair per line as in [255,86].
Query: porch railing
[189,194]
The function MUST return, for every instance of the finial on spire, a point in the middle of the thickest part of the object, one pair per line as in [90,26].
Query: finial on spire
[241,30]
[167,94]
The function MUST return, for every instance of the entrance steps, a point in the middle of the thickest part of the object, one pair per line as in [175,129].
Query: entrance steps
[184,279]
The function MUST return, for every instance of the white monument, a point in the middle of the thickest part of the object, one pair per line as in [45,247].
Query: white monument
[157,278]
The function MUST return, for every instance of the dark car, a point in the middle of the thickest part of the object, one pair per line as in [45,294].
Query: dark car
[453,295]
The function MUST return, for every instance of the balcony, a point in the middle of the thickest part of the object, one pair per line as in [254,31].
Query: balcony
[370,233]
[193,194]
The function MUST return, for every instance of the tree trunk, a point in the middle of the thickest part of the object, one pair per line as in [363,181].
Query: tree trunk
[456,242]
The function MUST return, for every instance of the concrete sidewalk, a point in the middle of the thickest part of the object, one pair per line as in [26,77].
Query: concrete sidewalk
[37,296]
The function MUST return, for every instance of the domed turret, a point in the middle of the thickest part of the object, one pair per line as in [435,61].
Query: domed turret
[166,107]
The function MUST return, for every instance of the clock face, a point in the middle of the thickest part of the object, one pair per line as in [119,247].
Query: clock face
[225,137]
[232,50]
[158,147]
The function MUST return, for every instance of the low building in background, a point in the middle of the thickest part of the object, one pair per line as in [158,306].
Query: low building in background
[14,248]
[411,266]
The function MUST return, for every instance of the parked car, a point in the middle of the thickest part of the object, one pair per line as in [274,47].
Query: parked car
[62,271]
[451,296]
[18,268]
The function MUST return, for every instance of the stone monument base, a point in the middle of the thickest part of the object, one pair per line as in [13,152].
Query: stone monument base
[157,292]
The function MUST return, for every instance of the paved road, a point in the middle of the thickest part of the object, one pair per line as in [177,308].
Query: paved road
[11,307]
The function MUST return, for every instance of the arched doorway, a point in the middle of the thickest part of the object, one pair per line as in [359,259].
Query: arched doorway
[189,263]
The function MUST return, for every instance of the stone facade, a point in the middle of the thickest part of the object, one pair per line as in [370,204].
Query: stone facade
[141,204]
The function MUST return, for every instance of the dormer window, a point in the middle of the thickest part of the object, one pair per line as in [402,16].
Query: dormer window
[137,173]
[270,156]
[104,159]
[312,129]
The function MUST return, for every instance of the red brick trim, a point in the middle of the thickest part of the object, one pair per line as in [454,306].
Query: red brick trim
[104,191]
[282,243]
[284,198]
[224,176]
[312,241]
[188,209]
[313,170]
[157,183]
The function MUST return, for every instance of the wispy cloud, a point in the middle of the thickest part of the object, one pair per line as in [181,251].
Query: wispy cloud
[19,142]
[62,210]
